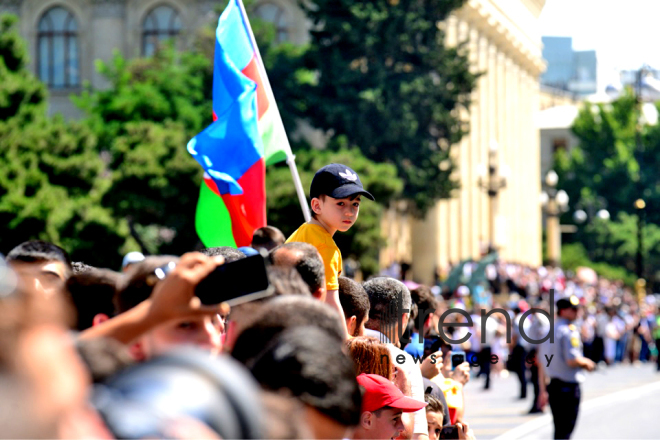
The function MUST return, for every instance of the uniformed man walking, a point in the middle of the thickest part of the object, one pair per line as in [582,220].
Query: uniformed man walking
[563,362]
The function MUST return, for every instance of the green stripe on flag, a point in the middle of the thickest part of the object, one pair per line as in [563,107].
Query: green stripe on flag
[271,129]
[212,220]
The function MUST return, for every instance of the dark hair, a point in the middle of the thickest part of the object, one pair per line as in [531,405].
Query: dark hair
[370,356]
[286,281]
[139,281]
[37,251]
[229,253]
[310,364]
[353,298]
[425,300]
[305,259]
[384,294]
[278,314]
[92,292]
[79,267]
[267,237]
[434,405]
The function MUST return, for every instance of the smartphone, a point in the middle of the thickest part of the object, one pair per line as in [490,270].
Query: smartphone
[236,282]
[457,358]
[450,431]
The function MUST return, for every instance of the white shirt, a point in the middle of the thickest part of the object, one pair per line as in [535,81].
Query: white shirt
[414,374]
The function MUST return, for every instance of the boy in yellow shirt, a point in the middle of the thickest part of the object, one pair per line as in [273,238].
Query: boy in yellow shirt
[336,192]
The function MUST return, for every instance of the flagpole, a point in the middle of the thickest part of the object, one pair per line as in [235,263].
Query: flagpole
[290,157]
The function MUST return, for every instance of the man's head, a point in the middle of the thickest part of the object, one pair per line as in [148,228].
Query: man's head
[138,283]
[229,253]
[355,303]
[286,280]
[92,293]
[307,261]
[434,416]
[268,238]
[308,363]
[390,300]
[382,406]
[426,307]
[567,308]
[41,264]
[274,316]
[335,194]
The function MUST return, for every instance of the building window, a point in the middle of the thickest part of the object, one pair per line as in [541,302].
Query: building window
[276,15]
[162,23]
[58,62]
[559,144]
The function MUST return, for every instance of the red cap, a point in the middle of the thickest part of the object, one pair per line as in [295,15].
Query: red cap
[380,392]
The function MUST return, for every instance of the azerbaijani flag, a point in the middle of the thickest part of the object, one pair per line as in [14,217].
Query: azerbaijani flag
[247,134]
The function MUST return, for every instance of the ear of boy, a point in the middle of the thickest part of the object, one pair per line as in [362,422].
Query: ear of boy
[351,323]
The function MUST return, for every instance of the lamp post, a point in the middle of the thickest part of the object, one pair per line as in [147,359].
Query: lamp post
[640,206]
[492,180]
[554,203]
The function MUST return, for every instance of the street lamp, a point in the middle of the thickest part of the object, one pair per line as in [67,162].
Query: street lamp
[554,204]
[587,210]
[492,181]
[640,206]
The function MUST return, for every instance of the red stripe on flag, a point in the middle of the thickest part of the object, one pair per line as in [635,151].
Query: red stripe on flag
[211,184]
[248,210]
[252,72]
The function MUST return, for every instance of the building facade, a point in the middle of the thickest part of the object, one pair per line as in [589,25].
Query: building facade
[66,37]
[503,145]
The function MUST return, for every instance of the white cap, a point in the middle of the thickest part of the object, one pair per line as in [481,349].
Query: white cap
[132,257]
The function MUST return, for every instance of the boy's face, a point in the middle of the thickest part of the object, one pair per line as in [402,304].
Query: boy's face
[434,421]
[337,214]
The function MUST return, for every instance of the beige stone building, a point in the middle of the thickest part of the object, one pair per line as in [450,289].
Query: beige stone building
[65,37]
[503,143]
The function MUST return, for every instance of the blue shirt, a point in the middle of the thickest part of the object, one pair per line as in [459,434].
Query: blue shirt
[415,348]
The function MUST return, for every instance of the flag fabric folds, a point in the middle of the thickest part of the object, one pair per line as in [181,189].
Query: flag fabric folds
[247,134]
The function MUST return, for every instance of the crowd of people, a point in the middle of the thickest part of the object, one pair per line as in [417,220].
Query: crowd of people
[156,351]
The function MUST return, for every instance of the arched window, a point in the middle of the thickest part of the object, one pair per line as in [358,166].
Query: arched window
[58,61]
[162,23]
[276,15]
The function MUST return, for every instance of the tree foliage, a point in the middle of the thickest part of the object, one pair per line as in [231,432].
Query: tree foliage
[49,185]
[610,169]
[387,81]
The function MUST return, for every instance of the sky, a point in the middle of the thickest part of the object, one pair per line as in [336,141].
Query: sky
[624,33]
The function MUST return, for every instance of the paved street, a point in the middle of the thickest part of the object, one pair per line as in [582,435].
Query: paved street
[617,402]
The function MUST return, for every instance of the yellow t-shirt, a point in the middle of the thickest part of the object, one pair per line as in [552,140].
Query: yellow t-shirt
[318,237]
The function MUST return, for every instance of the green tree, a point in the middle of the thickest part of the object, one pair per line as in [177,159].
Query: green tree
[143,122]
[611,168]
[386,80]
[49,178]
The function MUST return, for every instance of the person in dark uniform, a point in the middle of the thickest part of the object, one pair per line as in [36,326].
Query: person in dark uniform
[563,363]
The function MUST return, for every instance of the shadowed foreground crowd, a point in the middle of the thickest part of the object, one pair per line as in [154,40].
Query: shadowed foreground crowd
[94,353]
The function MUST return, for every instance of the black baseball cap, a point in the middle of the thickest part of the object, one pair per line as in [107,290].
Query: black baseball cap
[337,181]
[572,302]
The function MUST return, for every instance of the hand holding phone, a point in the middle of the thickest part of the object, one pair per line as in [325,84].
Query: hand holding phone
[235,282]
